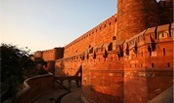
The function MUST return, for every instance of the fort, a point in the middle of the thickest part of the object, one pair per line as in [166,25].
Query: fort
[126,58]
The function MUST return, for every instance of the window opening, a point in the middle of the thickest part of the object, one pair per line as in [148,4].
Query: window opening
[114,38]
[152,65]
[168,65]
[164,51]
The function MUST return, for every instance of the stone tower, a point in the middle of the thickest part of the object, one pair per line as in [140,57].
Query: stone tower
[135,16]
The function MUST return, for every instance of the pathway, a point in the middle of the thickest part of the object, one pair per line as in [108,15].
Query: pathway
[55,95]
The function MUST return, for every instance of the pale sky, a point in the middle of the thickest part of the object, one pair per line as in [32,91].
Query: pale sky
[45,24]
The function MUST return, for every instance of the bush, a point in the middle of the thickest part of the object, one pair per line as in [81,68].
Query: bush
[14,62]
[16,66]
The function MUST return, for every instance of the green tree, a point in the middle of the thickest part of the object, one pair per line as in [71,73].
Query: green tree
[14,62]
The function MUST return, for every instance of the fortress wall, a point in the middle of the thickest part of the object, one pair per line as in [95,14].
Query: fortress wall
[161,70]
[59,68]
[48,55]
[98,36]
[105,73]
[135,88]
[35,87]
[53,54]
[135,16]
[102,78]
[102,33]
[103,63]
[132,65]
[72,65]
[148,72]
[67,66]
[59,52]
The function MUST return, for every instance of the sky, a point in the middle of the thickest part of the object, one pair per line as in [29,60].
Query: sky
[46,24]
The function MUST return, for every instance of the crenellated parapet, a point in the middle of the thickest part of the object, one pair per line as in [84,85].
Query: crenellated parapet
[143,56]
[149,36]
[95,30]
[148,59]
[126,58]
[102,33]
[50,55]
[135,16]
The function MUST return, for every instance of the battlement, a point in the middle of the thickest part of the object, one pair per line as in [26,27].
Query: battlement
[143,56]
[129,52]
[95,30]
[154,34]
[104,32]
[50,55]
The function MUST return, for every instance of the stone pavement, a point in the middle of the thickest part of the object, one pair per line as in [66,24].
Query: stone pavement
[50,97]
[55,95]
[73,97]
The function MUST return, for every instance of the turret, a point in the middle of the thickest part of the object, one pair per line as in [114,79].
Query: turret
[135,16]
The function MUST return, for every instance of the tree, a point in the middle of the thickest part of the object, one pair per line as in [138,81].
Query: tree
[40,64]
[14,62]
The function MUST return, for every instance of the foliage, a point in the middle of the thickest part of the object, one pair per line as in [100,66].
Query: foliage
[40,64]
[14,62]
[16,66]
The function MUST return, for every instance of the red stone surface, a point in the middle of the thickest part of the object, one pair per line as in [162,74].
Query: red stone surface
[122,59]
[52,54]
[102,33]
[134,16]
[35,87]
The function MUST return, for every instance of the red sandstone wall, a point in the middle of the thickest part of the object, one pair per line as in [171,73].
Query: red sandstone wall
[122,78]
[111,67]
[112,78]
[148,74]
[59,52]
[48,55]
[162,76]
[109,76]
[102,33]
[109,71]
[67,66]
[53,54]
[35,87]
[103,78]
[135,16]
